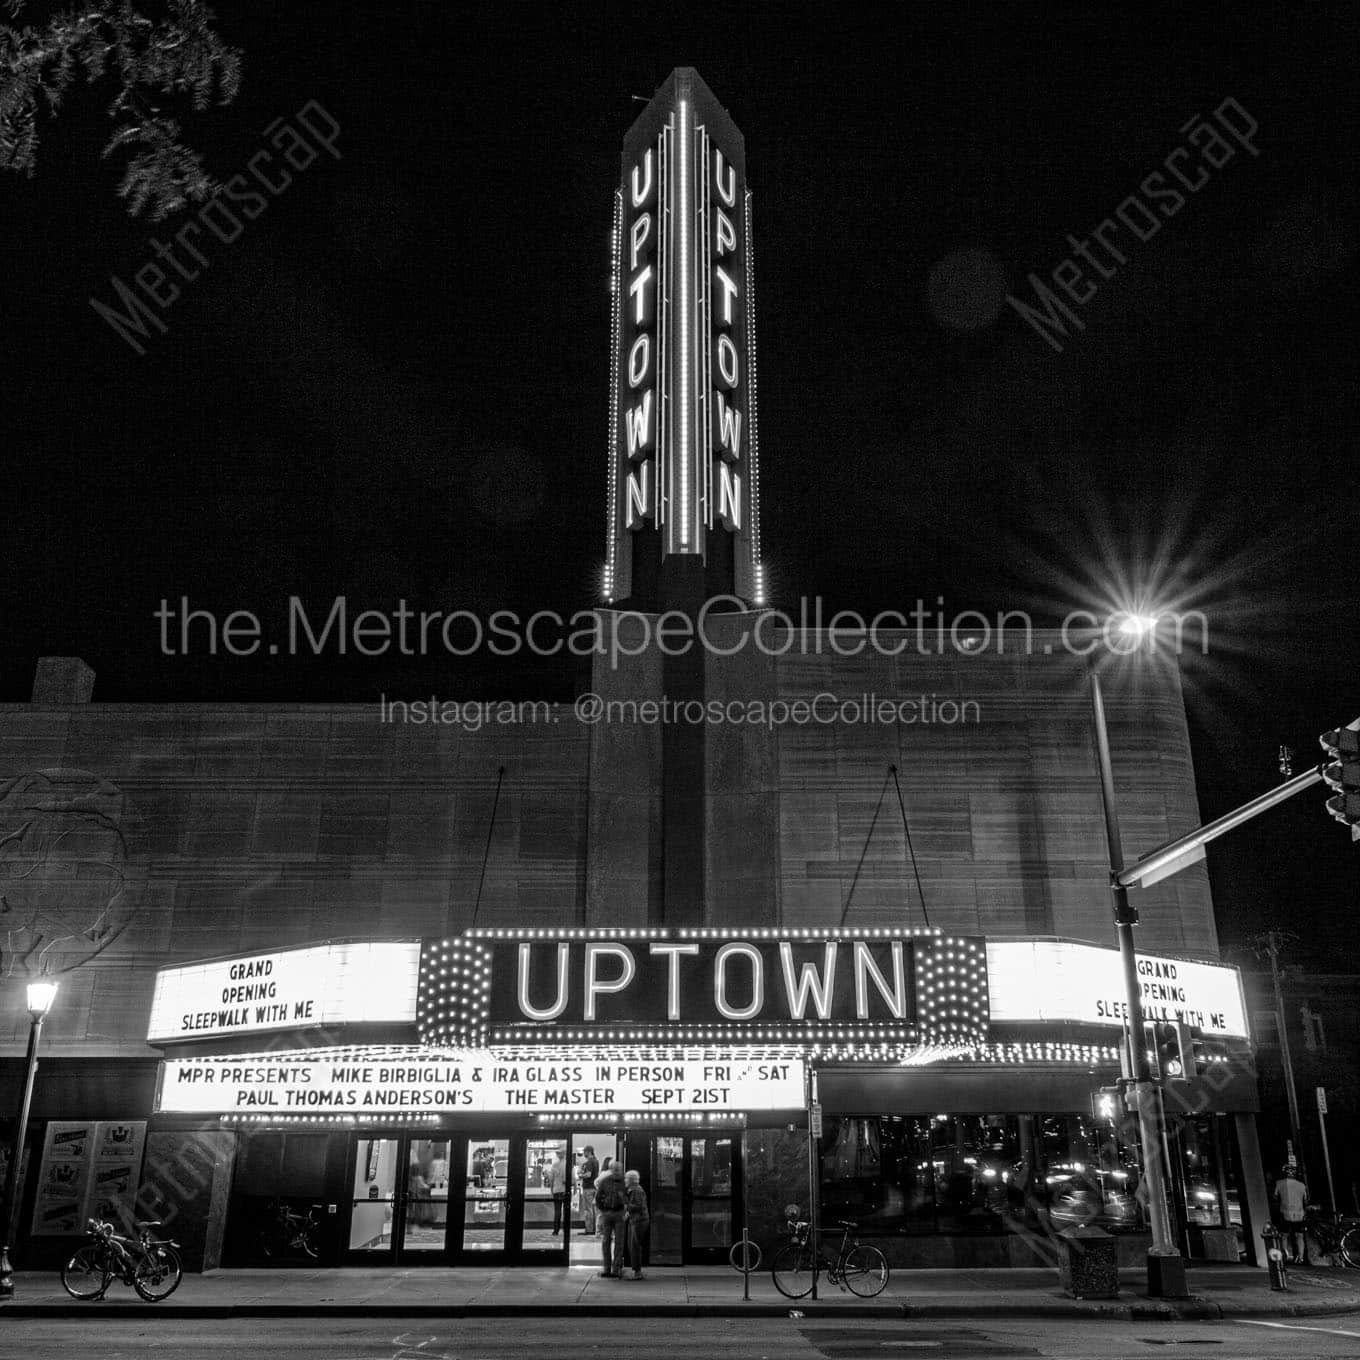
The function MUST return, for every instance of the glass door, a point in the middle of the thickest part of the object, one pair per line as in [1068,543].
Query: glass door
[486,1195]
[591,1151]
[666,1239]
[712,1176]
[399,1198]
[425,1226]
[378,1167]
[548,1189]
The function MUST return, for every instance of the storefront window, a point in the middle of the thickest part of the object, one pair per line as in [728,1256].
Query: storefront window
[1090,1176]
[1210,1202]
[977,1174]
[920,1173]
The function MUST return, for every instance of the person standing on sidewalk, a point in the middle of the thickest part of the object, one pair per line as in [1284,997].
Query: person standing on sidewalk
[609,1209]
[589,1172]
[1292,1196]
[559,1180]
[639,1219]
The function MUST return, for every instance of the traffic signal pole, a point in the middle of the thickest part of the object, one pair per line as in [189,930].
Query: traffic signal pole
[1165,1266]
[1183,847]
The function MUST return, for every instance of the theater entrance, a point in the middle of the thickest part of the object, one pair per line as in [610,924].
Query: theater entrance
[508,1197]
[693,1184]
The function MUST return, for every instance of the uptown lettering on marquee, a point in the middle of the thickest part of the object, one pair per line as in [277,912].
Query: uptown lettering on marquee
[650,986]
[738,975]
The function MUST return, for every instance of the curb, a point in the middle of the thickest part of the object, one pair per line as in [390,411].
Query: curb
[1131,1308]
[470,1310]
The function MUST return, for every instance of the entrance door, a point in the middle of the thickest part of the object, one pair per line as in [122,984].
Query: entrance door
[693,1189]
[713,1166]
[511,1210]
[399,1199]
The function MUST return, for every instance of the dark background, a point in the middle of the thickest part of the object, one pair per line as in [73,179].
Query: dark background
[394,384]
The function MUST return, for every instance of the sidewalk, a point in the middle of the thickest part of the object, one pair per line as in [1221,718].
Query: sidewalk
[699,1291]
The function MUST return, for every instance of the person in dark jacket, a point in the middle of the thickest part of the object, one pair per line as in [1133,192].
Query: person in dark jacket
[610,1211]
[639,1220]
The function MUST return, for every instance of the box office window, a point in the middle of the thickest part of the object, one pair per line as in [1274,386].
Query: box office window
[282,1165]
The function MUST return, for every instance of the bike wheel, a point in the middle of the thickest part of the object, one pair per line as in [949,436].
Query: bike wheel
[792,1269]
[865,1271]
[307,1243]
[751,1254]
[86,1275]
[158,1273]
[1350,1246]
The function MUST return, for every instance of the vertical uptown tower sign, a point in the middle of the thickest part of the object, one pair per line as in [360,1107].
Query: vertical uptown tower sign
[684,472]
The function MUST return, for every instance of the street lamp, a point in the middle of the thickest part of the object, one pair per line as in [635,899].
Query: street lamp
[1165,1265]
[41,994]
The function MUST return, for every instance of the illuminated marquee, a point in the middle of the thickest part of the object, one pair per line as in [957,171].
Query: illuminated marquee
[683,454]
[376,1082]
[540,987]
[354,982]
[1055,980]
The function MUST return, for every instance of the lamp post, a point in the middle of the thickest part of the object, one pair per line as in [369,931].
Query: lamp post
[41,994]
[1165,1266]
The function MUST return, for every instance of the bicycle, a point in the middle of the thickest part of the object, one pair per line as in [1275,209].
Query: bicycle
[1336,1236]
[863,1270]
[290,1232]
[152,1267]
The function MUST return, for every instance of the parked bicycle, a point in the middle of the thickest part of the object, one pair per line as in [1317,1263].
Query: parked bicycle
[152,1267]
[1336,1236]
[860,1269]
[291,1231]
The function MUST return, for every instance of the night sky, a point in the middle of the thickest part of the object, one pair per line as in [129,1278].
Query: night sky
[394,383]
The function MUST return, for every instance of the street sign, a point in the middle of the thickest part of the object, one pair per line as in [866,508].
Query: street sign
[1322,1099]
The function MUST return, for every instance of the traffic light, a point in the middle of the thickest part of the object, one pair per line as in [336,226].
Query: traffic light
[1107,1104]
[1175,1050]
[1343,774]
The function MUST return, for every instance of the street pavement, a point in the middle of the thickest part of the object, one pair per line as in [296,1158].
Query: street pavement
[631,1336]
[1218,1291]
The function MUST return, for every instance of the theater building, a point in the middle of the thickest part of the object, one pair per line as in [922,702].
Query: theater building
[394,968]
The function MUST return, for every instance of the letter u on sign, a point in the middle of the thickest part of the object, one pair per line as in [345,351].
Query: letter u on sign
[595,985]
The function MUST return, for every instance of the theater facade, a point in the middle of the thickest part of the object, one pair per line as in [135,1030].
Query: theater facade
[373,974]
[413,1095]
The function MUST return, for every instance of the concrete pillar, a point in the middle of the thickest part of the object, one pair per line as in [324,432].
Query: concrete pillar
[1256,1202]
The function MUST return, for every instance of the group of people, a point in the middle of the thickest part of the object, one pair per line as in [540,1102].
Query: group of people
[619,1207]
[613,1205]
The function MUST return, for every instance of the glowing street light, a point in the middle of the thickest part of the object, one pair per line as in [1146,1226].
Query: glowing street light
[1138,625]
[41,994]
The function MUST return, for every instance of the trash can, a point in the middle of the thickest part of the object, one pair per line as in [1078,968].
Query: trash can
[1275,1257]
[1087,1268]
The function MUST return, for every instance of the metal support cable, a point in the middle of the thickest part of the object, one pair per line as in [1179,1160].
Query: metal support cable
[925,915]
[486,852]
